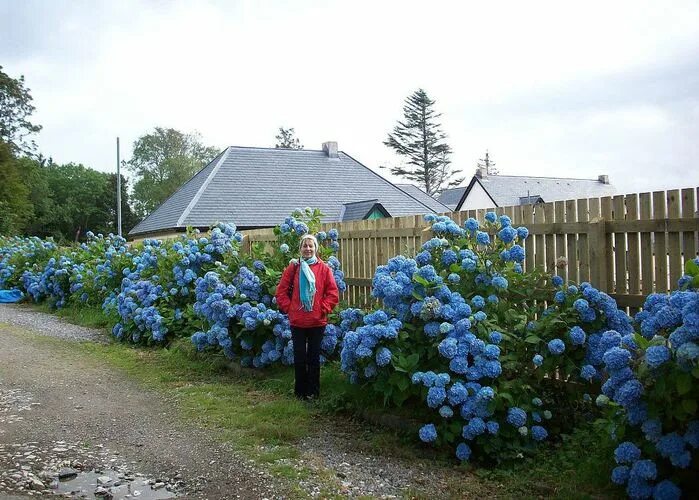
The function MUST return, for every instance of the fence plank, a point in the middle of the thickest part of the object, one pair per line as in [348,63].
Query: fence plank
[689,248]
[659,246]
[559,209]
[608,252]
[674,245]
[633,263]
[583,254]
[550,242]
[572,216]
[527,217]
[540,256]
[620,284]
[647,265]
[597,239]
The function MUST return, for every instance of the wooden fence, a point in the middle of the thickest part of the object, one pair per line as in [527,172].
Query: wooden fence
[626,245]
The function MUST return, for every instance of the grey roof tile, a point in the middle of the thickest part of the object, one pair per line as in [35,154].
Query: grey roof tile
[450,197]
[425,198]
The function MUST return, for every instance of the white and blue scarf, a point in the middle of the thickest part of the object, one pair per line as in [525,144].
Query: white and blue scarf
[307,283]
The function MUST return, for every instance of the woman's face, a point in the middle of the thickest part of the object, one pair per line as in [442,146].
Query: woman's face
[308,249]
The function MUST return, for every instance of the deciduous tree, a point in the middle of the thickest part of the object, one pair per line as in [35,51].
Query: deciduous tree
[162,162]
[15,110]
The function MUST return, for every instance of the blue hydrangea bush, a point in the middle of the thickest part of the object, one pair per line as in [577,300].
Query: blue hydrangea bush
[465,338]
[19,254]
[154,301]
[76,274]
[652,395]
[236,302]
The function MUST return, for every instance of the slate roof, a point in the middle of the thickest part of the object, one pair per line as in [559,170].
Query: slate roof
[425,198]
[513,190]
[506,190]
[258,187]
[450,197]
[358,210]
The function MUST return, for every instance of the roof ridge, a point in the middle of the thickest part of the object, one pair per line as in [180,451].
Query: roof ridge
[361,201]
[202,188]
[281,149]
[542,177]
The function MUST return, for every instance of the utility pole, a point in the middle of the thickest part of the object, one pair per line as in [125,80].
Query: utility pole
[488,165]
[118,192]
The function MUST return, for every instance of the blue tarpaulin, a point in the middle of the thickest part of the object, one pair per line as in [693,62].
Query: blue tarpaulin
[7,296]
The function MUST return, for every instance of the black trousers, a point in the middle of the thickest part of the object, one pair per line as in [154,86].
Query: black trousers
[307,360]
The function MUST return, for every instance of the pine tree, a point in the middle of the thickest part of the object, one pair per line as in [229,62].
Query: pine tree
[420,140]
[286,139]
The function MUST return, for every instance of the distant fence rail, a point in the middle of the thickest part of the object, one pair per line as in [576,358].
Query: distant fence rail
[626,245]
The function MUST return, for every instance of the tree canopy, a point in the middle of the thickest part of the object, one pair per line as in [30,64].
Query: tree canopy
[420,140]
[15,110]
[162,162]
[286,139]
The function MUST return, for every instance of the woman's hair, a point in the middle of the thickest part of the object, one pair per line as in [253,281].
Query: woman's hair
[309,237]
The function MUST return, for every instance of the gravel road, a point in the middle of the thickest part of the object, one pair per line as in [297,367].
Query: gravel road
[62,413]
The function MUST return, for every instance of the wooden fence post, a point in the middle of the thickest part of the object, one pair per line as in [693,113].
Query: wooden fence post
[245,244]
[598,258]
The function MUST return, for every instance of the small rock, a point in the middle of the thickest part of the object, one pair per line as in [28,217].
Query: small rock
[157,486]
[67,473]
[36,485]
[103,479]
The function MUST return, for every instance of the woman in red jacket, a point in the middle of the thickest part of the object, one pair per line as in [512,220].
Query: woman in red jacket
[307,293]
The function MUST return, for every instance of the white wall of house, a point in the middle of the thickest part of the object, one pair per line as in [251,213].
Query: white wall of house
[477,198]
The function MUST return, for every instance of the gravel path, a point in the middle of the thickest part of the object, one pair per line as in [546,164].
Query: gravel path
[60,411]
[100,421]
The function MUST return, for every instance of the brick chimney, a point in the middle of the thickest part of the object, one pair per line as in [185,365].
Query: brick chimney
[330,149]
[604,179]
[481,172]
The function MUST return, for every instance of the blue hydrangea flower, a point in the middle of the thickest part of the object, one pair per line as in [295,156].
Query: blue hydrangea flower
[588,372]
[463,452]
[556,347]
[657,355]
[557,281]
[627,453]
[620,474]
[666,490]
[539,433]
[538,360]
[482,238]
[516,417]
[428,433]
[577,335]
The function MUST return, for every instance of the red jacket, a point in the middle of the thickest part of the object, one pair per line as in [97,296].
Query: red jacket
[324,301]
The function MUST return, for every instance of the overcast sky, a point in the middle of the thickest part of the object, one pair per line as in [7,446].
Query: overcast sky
[564,89]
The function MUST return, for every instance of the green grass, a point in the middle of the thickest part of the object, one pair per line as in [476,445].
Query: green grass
[256,412]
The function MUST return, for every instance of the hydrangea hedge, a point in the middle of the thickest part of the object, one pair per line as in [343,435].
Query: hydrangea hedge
[464,331]
[494,360]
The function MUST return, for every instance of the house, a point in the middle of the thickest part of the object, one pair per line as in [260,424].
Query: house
[259,187]
[490,191]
